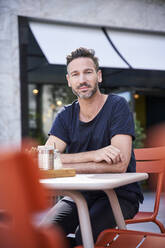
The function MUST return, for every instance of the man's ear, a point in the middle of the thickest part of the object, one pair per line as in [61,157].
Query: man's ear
[99,76]
[67,78]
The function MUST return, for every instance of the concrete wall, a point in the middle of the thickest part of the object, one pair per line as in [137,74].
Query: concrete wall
[133,14]
[10,124]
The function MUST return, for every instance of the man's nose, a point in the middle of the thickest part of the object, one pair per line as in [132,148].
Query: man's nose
[82,78]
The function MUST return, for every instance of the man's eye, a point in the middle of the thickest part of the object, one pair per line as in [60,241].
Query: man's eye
[75,74]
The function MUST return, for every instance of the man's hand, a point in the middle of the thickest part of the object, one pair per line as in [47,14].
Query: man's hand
[110,154]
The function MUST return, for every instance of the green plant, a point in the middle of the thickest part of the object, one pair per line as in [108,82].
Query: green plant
[139,135]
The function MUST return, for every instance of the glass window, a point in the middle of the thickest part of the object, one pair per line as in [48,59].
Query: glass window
[45,100]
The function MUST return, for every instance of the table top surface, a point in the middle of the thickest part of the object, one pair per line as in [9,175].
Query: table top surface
[93,181]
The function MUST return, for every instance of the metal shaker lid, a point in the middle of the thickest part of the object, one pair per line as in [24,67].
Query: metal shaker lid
[47,148]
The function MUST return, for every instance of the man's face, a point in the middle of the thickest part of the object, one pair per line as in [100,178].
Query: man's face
[83,78]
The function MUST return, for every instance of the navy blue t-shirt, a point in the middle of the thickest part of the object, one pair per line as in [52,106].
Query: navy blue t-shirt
[114,118]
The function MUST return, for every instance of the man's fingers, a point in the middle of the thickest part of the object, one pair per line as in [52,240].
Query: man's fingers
[109,154]
[108,160]
[114,154]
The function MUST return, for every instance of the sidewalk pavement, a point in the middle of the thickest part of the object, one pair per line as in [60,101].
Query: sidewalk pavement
[148,205]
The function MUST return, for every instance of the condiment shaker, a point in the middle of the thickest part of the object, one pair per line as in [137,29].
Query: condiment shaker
[57,160]
[46,157]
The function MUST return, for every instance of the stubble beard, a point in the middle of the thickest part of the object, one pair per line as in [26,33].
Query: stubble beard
[86,95]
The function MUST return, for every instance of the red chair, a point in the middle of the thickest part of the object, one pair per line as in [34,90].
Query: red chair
[115,238]
[151,160]
[21,197]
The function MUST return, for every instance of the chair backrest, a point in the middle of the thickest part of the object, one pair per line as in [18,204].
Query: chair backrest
[21,196]
[152,161]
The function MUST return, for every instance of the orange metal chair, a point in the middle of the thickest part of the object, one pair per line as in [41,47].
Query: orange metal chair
[21,197]
[151,160]
[115,238]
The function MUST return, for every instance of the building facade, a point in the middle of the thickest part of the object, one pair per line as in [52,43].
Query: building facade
[144,15]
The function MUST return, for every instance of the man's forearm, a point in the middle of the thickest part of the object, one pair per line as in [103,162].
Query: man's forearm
[105,160]
[109,154]
[77,157]
[94,168]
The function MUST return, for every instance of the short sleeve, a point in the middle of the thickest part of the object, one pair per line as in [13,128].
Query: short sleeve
[59,127]
[122,119]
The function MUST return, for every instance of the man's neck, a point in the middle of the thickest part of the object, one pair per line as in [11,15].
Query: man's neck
[89,108]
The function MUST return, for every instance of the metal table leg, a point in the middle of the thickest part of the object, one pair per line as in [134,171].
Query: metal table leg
[84,220]
[116,208]
[85,224]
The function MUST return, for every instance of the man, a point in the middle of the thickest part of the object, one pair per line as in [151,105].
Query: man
[97,130]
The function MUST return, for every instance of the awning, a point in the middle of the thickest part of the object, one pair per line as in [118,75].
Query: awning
[141,50]
[58,40]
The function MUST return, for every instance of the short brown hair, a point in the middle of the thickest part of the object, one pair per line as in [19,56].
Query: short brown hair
[84,53]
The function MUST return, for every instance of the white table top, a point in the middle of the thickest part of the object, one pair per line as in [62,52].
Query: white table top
[93,181]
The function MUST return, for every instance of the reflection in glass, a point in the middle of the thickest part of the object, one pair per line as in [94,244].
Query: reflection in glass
[44,104]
